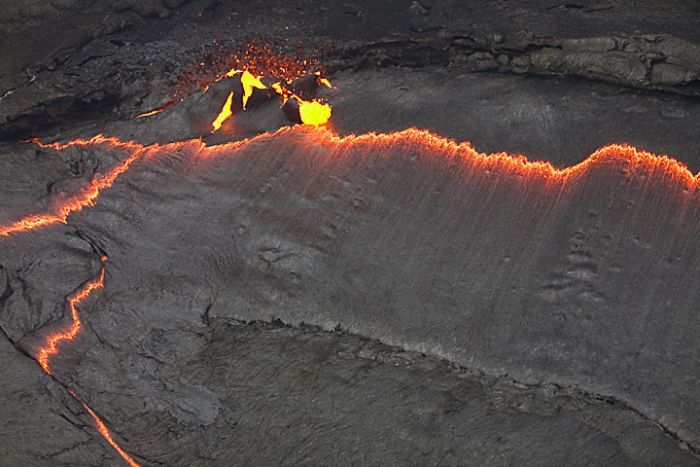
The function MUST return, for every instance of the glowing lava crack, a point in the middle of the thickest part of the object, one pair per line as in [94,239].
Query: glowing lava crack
[422,140]
[315,114]
[50,348]
[87,196]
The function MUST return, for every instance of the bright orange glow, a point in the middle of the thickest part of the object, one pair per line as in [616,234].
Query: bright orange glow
[314,112]
[250,82]
[104,431]
[152,112]
[224,114]
[423,140]
[50,348]
[283,92]
[156,111]
[323,81]
[87,196]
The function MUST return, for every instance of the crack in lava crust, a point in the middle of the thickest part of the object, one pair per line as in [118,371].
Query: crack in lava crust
[413,139]
[50,348]
[87,196]
[104,431]
[439,146]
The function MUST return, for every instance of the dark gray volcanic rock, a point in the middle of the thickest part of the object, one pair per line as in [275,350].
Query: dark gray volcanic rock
[41,424]
[514,276]
[121,57]
[247,288]
[557,120]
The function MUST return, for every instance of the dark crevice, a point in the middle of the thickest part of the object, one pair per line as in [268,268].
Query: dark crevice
[480,373]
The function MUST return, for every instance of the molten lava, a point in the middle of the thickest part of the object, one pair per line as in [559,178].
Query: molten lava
[224,114]
[314,113]
[50,348]
[424,140]
[323,81]
[51,345]
[104,432]
[165,106]
[87,196]
[250,82]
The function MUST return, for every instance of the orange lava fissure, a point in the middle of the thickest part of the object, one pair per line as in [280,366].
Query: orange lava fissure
[86,196]
[104,431]
[315,114]
[51,347]
[415,138]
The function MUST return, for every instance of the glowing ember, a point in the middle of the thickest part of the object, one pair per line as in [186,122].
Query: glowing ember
[264,60]
[224,114]
[260,60]
[314,112]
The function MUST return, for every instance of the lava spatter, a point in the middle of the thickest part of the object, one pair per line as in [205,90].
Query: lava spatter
[250,83]
[314,112]
[311,112]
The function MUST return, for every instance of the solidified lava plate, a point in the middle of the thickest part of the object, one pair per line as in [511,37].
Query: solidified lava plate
[290,260]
